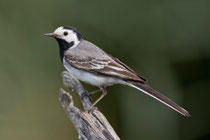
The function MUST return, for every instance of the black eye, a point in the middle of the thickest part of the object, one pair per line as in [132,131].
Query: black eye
[65,33]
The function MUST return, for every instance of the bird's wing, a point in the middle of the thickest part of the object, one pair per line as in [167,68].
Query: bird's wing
[128,68]
[107,66]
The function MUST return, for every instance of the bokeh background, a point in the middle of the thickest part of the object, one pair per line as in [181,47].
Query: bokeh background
[165,41]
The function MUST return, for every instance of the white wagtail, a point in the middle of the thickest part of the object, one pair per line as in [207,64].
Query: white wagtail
[92,65]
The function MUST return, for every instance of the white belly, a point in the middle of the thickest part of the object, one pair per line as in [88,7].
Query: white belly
[92,79]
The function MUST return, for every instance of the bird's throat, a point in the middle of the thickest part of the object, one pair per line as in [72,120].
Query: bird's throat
[63,46]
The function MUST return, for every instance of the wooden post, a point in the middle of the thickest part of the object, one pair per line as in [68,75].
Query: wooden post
[90,125]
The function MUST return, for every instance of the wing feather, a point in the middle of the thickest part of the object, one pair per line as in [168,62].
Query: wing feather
[107,67]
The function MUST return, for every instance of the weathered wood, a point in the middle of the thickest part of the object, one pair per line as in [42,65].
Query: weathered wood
[90,125]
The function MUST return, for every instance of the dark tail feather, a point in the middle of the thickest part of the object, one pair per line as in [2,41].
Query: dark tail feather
[151,92]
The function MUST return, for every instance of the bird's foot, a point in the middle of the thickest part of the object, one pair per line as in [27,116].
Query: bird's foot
[85,94]
[92,109]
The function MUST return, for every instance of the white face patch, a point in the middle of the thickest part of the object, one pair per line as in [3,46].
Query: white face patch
[67,35]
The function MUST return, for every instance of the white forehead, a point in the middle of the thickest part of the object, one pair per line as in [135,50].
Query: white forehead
[61,30]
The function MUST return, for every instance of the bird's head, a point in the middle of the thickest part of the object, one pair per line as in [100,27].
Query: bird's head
[66,35]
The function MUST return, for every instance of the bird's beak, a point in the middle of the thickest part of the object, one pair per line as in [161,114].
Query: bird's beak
[50,34]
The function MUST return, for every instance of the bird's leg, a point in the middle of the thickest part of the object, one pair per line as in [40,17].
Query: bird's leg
[104,92]
[86,93]
[94,92]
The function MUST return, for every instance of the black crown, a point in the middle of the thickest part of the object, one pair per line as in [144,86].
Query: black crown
[79,34]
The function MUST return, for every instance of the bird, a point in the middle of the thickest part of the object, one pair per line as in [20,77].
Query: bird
[92,65]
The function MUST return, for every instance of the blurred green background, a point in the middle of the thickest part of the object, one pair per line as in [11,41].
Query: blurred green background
[165,41]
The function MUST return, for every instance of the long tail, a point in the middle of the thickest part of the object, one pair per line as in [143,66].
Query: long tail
[151,92]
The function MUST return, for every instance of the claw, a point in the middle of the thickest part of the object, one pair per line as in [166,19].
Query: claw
[85,94]
[92,109]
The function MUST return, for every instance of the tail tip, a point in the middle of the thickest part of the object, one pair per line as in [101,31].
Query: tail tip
[186,113]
